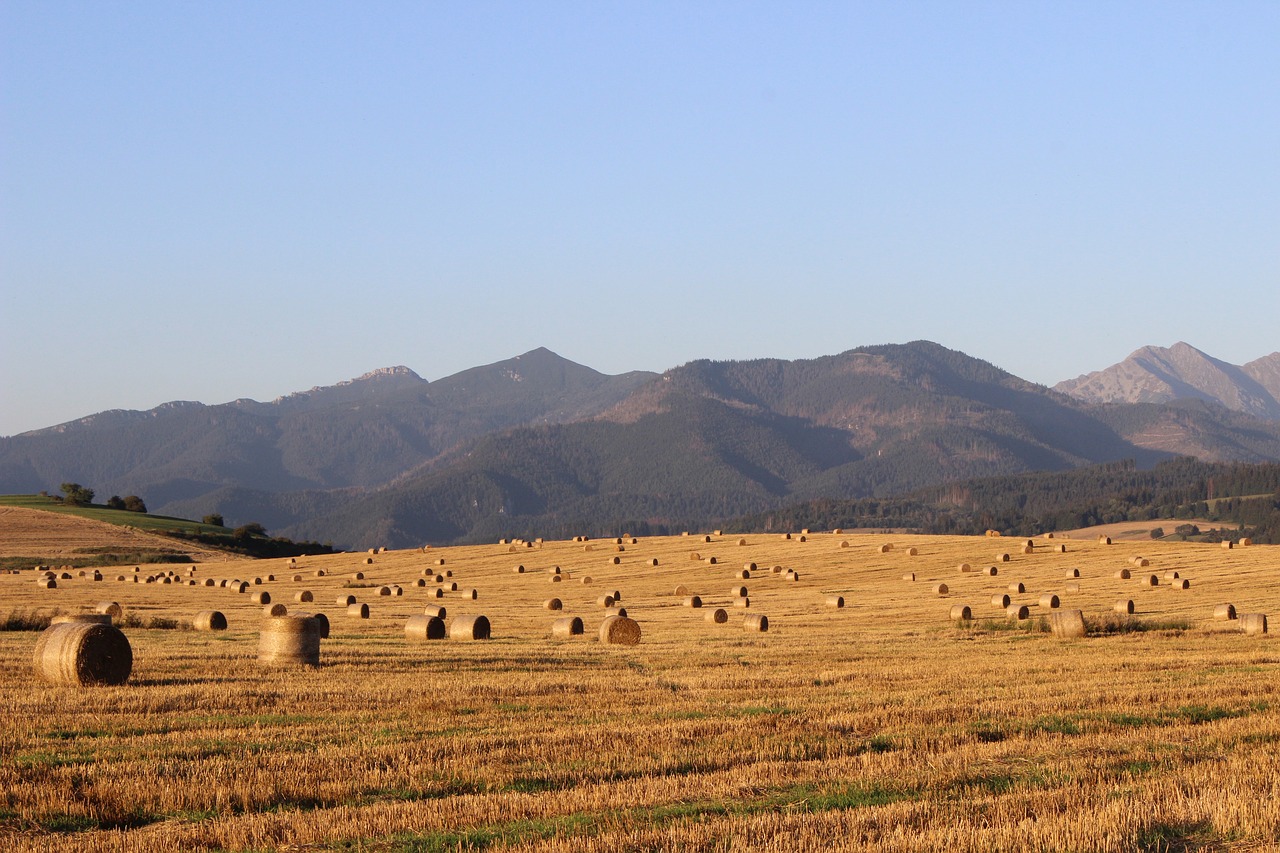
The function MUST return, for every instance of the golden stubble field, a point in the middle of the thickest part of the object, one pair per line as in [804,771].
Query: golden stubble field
[881,725]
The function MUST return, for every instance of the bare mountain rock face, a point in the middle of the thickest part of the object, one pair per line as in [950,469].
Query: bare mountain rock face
[1182,372]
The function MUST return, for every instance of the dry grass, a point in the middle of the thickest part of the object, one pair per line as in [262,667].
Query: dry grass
[881,725]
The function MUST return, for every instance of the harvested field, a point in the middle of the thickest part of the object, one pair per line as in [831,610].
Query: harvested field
[880,725]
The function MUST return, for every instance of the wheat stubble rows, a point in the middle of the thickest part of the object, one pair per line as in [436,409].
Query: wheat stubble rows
[882,724]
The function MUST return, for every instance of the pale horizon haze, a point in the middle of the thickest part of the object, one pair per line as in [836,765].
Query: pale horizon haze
[209,201]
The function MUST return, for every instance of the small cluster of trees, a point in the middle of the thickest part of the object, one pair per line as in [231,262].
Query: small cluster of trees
[75,494]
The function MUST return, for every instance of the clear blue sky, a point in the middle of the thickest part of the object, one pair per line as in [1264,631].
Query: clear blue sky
[211,200]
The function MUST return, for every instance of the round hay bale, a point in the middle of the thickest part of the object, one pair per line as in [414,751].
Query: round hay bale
[1061,549]
[322,623]
[605,601]
[1224,612]
[619,631]
[884,549]
[358,611]
[912,552]
[961,613]
[440,561]
[1123,575]
[586,580]
[553,604]
[424,628]
[711,561]
[1228,544]
[742,602]
[680,591]
[757,622]
[1002,558]
[1027,549]
[786,536]
[835,601]
[319,573]
[1181,584]
[207,581]
[384,590]
[1124,606]
[111,608]
[940,589]
[1142,562]
[991,571]
[717,616]
[556,579]
[420,582]
[49,583]
[554,570]
[615,560]
[1150,580]
[303,596]
[1018,612]
[1000,600]
[738,591]
[744,574]
[1073,573]
[844,543]
[210,620]
[1104,540]
[435,610]
[792,576]
[81,618]
[654,561]
[777,570]
[257,581]
[569,626]
[1253,623]
[837,531]
[1068,623]
[1245,541]
[453,586]
[518,570]
[749,567]
[1073,587]
[804,538]
[297,578]
[262,597]
[275,610]
[706,538]
[1049,601]
[357,576]
[909,576]
[617,595]
[289,641]
[472,594]
[1171,576]
[80,654]
[965,567]
[469,628]
[742,542]
[242,588]
[615,611]
[693,601]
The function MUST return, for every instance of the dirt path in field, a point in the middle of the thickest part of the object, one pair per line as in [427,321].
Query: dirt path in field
[54,536]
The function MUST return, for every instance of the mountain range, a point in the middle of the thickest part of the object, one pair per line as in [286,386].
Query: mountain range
[539,446]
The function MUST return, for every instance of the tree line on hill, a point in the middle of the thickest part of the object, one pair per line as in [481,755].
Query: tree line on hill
[1244,499]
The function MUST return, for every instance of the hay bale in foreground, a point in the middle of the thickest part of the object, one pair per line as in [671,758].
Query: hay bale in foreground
[1124,605]
[358,611]
[424,628]
[1224,612]
[569,626]
[1253,623]
[81,654]
[1068,623]
[717,616]
[834,601]
[961,613]
[619,631]
[289,641]
[469,628]
[210,620]
[757,622]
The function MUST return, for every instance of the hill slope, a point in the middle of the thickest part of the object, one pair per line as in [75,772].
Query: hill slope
[1182,372]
